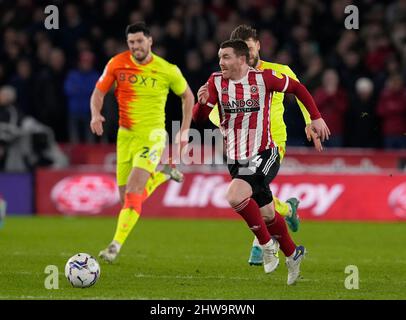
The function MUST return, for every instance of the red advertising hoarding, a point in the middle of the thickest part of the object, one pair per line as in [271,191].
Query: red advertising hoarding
[202,195]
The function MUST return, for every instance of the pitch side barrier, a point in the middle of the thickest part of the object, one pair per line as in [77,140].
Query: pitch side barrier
[329,186]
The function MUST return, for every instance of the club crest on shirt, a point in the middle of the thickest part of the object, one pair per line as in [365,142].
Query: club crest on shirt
[253,89]
[224,90]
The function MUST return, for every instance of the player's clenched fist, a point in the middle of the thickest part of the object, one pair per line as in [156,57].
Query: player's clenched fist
[203,94]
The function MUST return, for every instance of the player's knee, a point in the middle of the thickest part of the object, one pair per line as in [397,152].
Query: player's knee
[268,220]
[234,197]
[234,200]
[268,217]
[137,180]
[237,192]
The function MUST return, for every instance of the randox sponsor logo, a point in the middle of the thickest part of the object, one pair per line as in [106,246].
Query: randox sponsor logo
[235,104]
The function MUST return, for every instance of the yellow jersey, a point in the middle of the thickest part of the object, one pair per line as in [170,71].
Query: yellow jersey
[141,90]
[278,127]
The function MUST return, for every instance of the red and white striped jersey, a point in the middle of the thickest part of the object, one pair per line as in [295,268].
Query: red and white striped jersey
[244,108]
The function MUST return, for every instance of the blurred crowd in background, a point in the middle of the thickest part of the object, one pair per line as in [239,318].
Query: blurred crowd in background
[357,77]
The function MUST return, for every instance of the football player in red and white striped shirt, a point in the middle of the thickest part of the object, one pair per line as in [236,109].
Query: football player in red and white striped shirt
[243,95]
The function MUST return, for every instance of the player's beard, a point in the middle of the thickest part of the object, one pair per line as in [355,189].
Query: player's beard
[254,61]
[141,56]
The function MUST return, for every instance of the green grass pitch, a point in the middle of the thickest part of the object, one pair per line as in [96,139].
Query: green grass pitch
[200,259]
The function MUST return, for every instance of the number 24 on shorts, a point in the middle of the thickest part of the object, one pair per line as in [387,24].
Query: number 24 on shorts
[145,154]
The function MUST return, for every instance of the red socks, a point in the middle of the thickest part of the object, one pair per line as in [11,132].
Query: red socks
[249,210]
[277,228]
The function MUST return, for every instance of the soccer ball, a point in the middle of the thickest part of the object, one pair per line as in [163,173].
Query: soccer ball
[82,270]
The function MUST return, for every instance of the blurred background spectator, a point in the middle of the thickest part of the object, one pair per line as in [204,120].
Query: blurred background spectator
[362,124]
[356,76]
[332,102]
[79,85]
[392,111]
[25,143]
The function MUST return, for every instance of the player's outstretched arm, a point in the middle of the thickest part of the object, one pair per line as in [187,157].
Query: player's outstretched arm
[282,83]
[310,134]
[96,105]
[318,125]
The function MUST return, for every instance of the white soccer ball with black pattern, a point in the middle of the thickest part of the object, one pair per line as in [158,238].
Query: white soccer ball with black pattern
[82,270]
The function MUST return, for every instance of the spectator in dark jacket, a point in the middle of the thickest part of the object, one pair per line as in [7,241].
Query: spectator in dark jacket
[51,108]
[362,122]
[79,85]
[23,81]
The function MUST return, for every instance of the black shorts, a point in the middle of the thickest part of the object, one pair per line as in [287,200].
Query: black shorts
[258,171]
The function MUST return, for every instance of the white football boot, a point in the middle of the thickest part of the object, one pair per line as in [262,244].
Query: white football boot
[173,172]
[270,255]
[293,264]
[110,253]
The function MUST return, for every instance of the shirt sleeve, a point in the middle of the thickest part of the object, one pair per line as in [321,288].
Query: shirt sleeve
[178,83]
[107,79]
[276,81]
[213,96]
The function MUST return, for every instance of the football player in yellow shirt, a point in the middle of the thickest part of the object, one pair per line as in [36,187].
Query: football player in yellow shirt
[142,82]
[278,130]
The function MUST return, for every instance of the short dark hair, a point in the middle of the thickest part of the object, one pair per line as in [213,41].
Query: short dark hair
[137,27]
[239,46]
[244,32]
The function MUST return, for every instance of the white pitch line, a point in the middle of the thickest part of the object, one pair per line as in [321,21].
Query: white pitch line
[88,298]
[264,277]
[142,275]
[18,272]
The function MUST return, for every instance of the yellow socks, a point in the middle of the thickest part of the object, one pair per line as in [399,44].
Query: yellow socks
[156,179]
[131,210]
[128,216]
